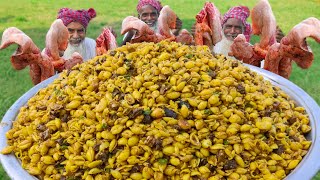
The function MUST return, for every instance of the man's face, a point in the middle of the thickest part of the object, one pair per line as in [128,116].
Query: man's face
[149,15]
[232,28]
[77,33]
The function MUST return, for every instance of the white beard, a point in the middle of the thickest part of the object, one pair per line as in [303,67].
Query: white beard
[155,27]
[74,48]
[223,47]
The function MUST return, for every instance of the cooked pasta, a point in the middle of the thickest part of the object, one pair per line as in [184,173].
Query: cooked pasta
[160,111]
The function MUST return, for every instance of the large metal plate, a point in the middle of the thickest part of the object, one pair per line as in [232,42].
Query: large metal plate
[307,168]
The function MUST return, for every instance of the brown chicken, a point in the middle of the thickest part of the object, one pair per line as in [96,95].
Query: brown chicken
[273,58]
[293,47]
[76,59]
[214,21]
[27,54]
[276,63]
[105,41]
[143,31]
[244,51]
[208,26]
[166,22]
[56,41]
[26,50]
[264,24]
[185,37]
[42,64]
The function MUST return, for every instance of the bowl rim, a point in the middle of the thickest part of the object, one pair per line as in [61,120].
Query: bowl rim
[304,170]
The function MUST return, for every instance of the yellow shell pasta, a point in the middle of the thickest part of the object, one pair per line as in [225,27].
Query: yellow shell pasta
[160,111]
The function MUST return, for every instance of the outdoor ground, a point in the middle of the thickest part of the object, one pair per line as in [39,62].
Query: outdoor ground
[35,16]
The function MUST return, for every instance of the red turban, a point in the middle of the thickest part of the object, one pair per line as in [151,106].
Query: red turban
[241,13]
[154,3]
[82,16]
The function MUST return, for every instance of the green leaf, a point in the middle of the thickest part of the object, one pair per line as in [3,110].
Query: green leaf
[147,112]
[163,161]
[104,126]
[225,142]
[74,83]
[207,112]
[63,147]
[127,77]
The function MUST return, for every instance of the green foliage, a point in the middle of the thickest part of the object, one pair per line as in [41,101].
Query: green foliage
[3,175]
[35,16]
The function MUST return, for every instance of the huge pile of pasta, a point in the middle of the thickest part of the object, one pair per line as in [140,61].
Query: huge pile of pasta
[160,111]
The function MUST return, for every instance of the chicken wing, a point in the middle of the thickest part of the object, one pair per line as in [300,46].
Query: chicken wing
[185,37]
[105,41]
[26,51]
[142,31]
[244,51]
[27,54]
[264,24]
[295,46]
[166,22]
[208,29]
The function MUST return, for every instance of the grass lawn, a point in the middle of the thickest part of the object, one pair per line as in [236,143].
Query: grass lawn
[35,16]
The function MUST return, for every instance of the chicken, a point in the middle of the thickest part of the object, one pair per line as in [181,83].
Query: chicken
[167,21]
[27,54]
[264,24]
[244,51]
[185,37]
[56,41]
[76,59]
[214,21]
[276,63]
[295,45]
[143,31]
[208,26]
[46,68]
[273,58]
[26,50]
[105,41]
[202,35]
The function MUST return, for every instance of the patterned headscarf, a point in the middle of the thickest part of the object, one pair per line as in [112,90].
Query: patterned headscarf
[154,3]
[241,13]
[82,16]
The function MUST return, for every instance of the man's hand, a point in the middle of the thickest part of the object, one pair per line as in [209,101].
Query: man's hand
[193,29]
[112,31]
[279,34]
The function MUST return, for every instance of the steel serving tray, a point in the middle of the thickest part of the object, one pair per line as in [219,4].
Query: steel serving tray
[306,169]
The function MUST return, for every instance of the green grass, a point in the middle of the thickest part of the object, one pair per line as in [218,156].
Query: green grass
[35,16]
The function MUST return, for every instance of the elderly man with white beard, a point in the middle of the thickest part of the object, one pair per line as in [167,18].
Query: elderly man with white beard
[76,22]
[148,12]
[234,22]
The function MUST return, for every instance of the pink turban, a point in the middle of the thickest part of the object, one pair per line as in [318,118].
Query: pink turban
[82,16]
[154,3]
[241,13]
